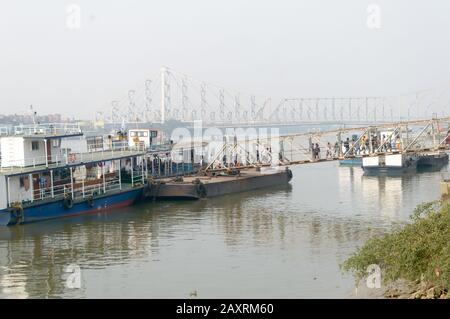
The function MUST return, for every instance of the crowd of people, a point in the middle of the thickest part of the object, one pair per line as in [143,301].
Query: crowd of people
[355,145]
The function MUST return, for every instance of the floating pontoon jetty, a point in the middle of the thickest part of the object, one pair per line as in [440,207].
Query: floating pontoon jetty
[224,182]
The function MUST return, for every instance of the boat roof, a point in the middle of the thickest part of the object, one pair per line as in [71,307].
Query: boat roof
[144,129]
[42,131]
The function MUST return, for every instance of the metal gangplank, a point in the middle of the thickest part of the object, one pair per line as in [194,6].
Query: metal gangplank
[420,137]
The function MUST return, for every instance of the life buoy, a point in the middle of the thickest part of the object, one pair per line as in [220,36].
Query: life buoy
[90,201]
[68,202]
[201,190]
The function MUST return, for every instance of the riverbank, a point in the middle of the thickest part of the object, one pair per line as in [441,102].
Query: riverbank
[414,260]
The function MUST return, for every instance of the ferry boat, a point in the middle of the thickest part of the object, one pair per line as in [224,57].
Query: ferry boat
[402,163]
[40,179]
[391,164]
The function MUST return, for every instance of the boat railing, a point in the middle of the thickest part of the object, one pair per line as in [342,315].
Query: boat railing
[58,191]
[116,146]
[83,191]
[160,147]
[74,158]
[47,129]
[80,190]
[65,158]
[138,177]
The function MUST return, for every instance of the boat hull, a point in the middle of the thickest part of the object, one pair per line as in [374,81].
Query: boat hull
[56,209]
[433,160]
[390,170]
[357,161]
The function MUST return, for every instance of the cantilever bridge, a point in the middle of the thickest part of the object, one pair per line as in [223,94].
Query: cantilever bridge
[171,95]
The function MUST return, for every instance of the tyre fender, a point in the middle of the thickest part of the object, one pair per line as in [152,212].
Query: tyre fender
[201,190]
[68,202]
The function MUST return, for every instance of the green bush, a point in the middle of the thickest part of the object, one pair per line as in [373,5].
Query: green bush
[419,252]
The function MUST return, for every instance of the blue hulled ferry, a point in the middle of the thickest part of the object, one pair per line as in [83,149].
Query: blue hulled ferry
[41,177]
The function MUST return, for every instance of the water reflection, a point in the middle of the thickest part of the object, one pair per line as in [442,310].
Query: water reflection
[279,242]
[39,253]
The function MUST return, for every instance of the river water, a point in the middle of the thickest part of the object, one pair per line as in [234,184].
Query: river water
[283,242]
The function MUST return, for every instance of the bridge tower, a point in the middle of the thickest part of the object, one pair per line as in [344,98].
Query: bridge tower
[165,94]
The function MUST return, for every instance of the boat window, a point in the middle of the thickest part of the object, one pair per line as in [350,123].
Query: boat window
[132,133]
[34,145]
[56,143]
[95,142]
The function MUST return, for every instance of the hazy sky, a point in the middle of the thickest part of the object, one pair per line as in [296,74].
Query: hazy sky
[284,48]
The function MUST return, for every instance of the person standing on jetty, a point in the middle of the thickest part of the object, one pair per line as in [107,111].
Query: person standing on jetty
[347,145]
[317,151]
[337,148]
[398,143]
[329,151]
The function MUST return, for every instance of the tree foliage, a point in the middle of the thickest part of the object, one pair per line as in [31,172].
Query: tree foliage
[419,252]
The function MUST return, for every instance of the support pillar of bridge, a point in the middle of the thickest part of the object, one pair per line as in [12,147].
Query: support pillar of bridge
[165,93]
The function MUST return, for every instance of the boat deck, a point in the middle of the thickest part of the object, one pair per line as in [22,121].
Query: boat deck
[77,159]
[221,177]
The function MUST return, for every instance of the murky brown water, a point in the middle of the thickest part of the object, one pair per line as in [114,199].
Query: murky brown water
[274,243]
